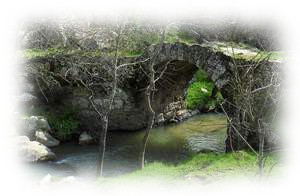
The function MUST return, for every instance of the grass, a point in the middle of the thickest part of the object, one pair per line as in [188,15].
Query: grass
[173,36]
[208,166]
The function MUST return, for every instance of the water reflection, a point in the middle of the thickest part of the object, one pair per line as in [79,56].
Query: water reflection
[171,144]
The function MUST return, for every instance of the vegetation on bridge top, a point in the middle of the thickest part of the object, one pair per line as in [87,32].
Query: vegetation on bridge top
[241,51]
[133,47]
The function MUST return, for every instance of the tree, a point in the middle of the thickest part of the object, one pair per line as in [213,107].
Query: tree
[149,92]
[104,112]
[251,106]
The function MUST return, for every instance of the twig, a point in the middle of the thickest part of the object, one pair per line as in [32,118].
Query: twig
[37,81]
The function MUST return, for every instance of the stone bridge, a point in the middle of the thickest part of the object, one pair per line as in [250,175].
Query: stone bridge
[183,62]
[128,109]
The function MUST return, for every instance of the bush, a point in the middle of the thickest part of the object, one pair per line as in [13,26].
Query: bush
[63,123]
[199,93]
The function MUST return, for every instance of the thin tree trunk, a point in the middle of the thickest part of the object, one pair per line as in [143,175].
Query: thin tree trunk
[105,118]
[102,146]
[149,126]
[150,88]
[261,137]
[148,93]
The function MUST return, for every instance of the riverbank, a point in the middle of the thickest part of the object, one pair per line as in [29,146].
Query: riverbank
[190,151]
[203,168]
[170,144]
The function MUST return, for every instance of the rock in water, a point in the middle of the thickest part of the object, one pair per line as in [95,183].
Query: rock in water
[85,138]
[33,151]
[45,138]
[183,114]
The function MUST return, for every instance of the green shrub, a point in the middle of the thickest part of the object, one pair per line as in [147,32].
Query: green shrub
[63,123]
[199,92]
[201,76]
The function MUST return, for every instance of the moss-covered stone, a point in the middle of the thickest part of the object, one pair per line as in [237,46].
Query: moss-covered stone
[57,52]
[241,51]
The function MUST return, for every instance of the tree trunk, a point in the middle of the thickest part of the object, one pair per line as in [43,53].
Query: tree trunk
[150,88]
[149,127]
[261,152]
[102,146]
[148,93]
[105,117]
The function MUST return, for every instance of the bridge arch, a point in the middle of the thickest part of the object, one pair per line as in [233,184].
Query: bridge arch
[183,61]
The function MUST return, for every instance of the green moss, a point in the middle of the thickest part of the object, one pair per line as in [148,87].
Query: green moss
[241,51]
[199,93]
[36,53]
[56,52]
[131,53]
[62,123]
[261,55]
[174,35]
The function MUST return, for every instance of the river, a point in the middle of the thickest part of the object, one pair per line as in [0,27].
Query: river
[171,144]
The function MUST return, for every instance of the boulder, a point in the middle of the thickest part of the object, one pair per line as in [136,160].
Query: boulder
[183,114]
[160,118]
[26,102]
[33,151]
[46,180]
[21,139]
[28,126]
[169,115]
[45,138]
[49,180]
[67,180]
[194,112]
[26,98]
[85,138]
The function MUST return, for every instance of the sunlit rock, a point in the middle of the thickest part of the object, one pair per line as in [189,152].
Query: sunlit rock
[45,138]
[67,180]
[85,138]
[33,151]
[46,180]
[28,126]
[160,118]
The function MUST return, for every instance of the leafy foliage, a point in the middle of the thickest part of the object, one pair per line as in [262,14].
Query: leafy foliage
[63,123]
[199,92]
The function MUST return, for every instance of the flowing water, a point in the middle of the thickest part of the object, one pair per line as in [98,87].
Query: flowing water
[171,144]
